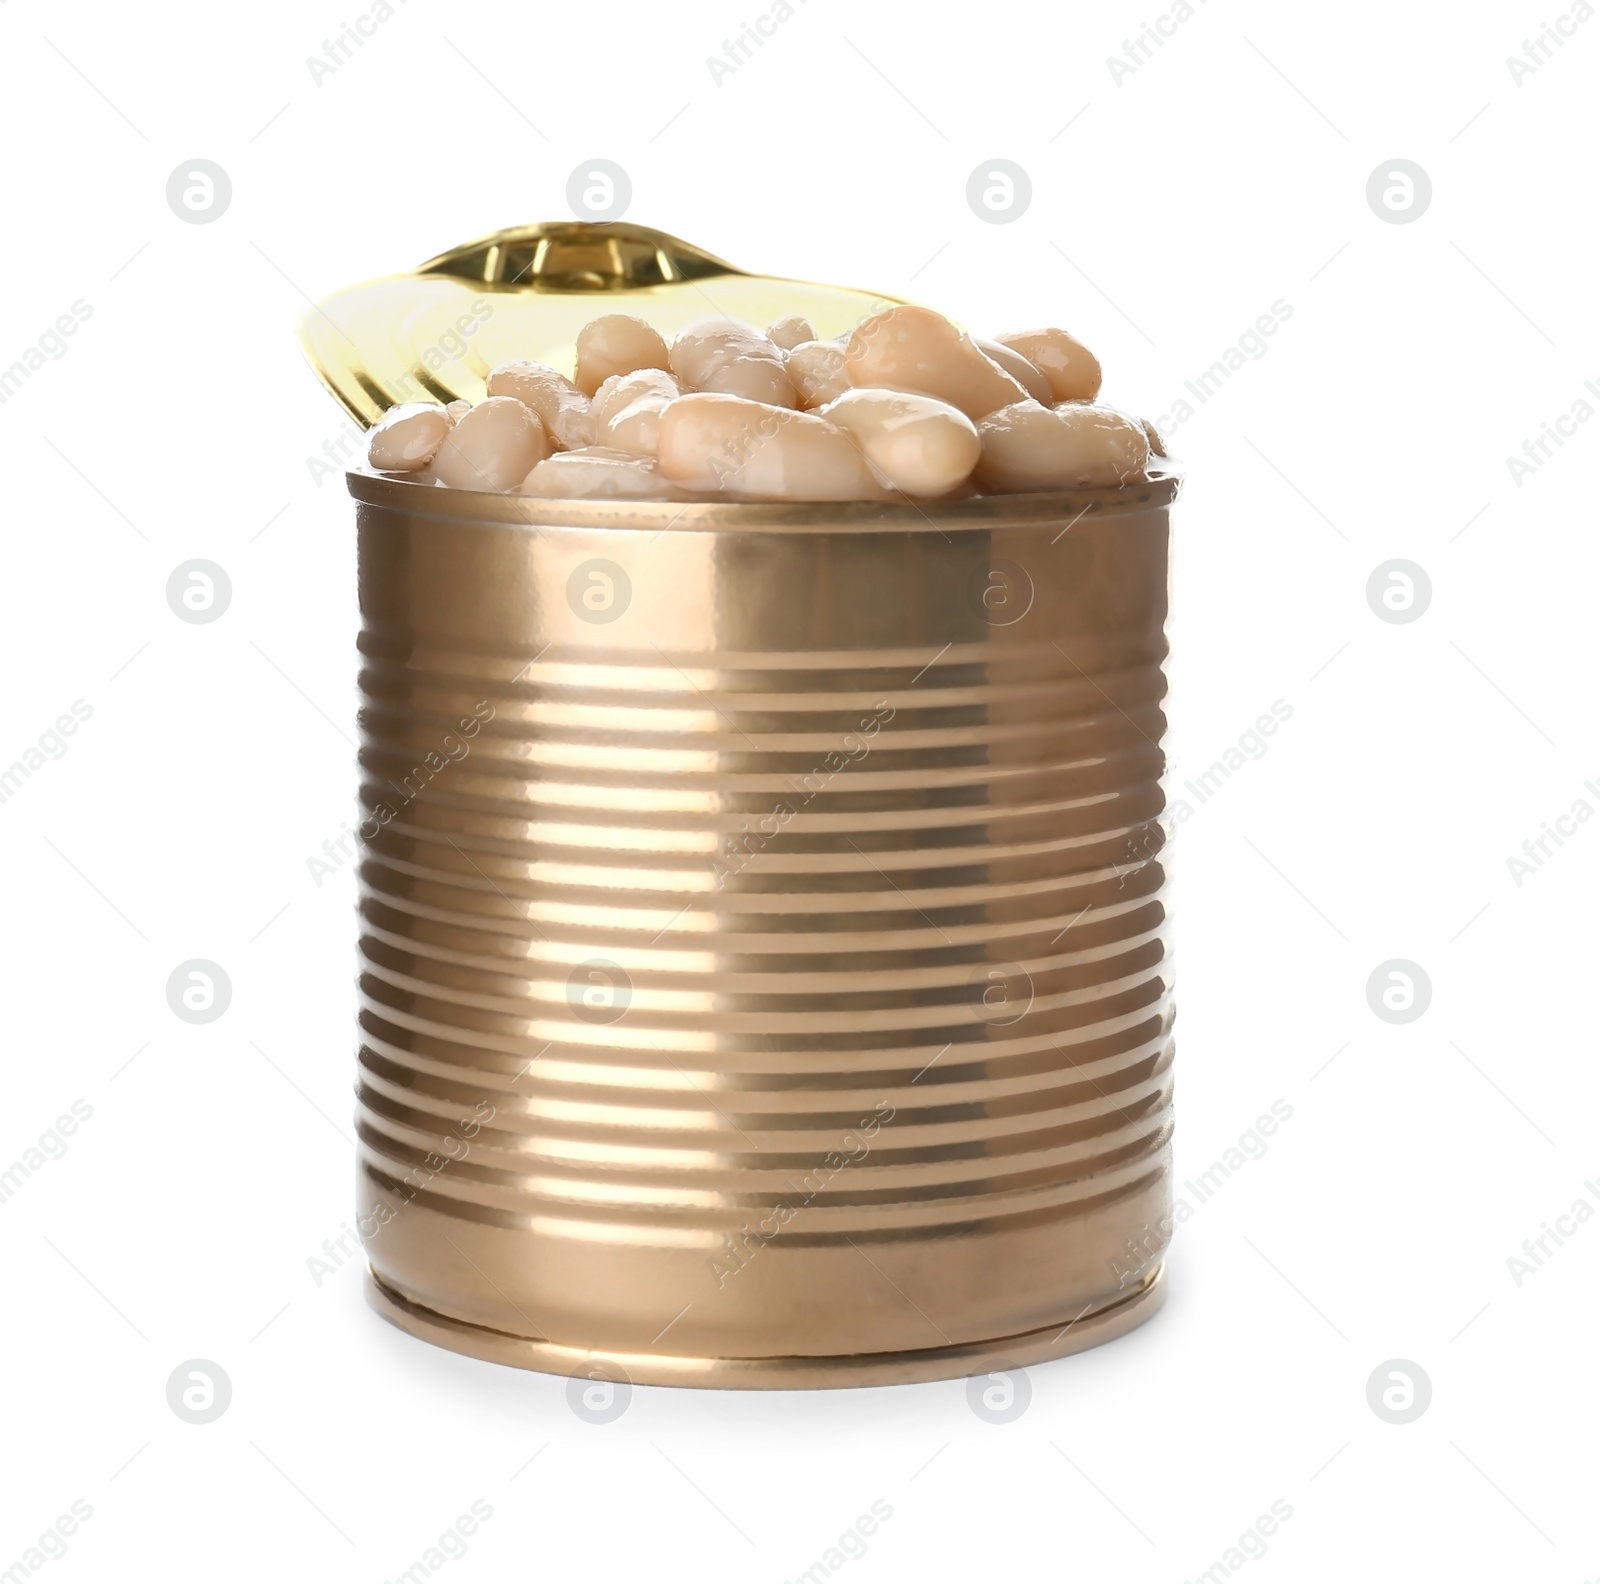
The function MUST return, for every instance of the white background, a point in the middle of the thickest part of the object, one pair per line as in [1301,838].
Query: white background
[1229,171]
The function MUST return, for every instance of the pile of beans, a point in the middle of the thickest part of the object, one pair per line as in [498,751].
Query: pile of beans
[905,405]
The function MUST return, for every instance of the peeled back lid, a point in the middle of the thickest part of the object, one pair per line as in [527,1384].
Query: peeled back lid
[434,334]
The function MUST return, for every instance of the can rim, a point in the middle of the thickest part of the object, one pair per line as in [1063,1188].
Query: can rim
[1159,488]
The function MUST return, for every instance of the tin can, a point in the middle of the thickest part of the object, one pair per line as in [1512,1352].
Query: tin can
[765,973]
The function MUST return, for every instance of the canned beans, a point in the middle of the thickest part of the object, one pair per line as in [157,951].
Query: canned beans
[1026,374]
[906,405]
[407,436]
[730,358]
[816,369]
[915,349]
[493,447]
[561,407]
[913,443]
[1028,446]
[724,444]
[789,331]
[616,344]
[627,409]
[1072,370]
[597,473]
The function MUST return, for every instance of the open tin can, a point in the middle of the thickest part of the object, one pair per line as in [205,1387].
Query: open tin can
[765,972]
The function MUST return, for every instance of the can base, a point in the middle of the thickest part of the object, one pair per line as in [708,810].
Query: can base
[791,1373]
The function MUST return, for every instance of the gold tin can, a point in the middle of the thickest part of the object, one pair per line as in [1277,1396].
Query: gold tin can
[765,970]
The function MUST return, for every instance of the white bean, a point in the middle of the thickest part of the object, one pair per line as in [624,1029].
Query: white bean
[1019,368]
[1071,368]
[816,369]
[914,349]
[407,436]
[715,442]
[598,473]
[627,409]
[561,407]
[1032,447]
[789,331]
[730,358]
[616,344]
[914,443]
[906,404]
[492,448]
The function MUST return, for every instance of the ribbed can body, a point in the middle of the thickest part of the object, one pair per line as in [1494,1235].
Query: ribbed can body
[765,975]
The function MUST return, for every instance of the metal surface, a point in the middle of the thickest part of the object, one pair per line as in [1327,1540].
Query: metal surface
[433,334]
[765,978]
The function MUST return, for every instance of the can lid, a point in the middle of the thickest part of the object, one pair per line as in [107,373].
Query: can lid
[435,333]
